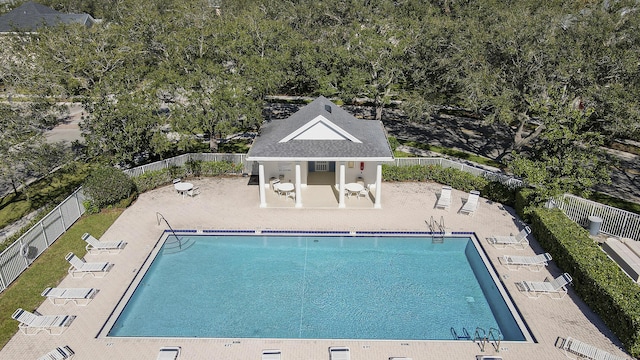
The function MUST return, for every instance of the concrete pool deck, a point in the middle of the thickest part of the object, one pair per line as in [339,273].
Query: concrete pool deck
[229,203]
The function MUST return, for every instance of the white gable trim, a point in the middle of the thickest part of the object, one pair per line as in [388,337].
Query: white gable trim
[323,126]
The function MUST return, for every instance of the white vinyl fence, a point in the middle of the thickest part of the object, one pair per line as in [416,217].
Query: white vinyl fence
[615,222]
[19,255]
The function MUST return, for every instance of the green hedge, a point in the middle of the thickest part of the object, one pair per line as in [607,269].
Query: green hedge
[457,179]
[153,179]
[603,286]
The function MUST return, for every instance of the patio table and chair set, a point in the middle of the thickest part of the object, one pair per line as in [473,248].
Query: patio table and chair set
[185,188]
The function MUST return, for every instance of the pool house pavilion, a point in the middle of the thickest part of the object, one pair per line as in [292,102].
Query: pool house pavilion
[321,145]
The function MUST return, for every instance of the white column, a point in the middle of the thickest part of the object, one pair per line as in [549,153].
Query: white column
[377,204]
[341,203]
[298,186]
[263,195]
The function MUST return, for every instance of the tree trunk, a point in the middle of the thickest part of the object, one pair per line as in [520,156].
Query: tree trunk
[379,109]
[519,140]
[213,143]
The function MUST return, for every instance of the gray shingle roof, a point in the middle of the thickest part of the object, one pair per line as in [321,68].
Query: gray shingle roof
[31,16]
[371,133]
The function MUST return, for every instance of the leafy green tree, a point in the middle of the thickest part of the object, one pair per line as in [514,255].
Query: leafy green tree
[23,148]
[567,157]
[120,127]
[107,185]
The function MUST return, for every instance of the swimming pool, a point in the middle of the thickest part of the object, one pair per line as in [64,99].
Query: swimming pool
[316,287]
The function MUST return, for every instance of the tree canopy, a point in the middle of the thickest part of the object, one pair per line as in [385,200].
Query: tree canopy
[204,67]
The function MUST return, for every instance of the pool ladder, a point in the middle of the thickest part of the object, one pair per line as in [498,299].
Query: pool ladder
[438,230]
[494,337]
[160,217]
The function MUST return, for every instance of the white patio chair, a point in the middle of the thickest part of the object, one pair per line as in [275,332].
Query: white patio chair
[60,296]
[533,263]
[193,192]
[53,324]
[518,241]
[96,246]
[59,353]
[444,200]
[471,205]
[79,267]
[557,286]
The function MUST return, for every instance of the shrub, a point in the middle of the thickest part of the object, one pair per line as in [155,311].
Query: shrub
[596,278]
[106,186]
[523,198]
[393,143]
[215,168]
[457,179]
[152,179]
[194,167]
[90,207]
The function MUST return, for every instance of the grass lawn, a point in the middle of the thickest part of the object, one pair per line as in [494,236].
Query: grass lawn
[50,190]
[615,202]
[455,153]
[48,270]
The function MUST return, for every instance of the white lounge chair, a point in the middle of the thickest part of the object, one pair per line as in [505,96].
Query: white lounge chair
[400,358]
[518,241]
[60,296]
[339,353]
[271,355]
[169,353]
[59,353]
[575,349]
[79,267]
[534,263]
[96,246]
[444,201]
[471,205]
[557,286]
[53,324]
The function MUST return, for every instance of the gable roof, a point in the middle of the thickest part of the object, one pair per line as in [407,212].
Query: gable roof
[321,131]
[31,16]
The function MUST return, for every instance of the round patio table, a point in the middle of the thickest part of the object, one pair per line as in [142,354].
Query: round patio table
[353,188]
[284,188]
[183,187]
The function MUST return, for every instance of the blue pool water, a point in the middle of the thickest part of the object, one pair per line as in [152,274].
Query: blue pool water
[316,288]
